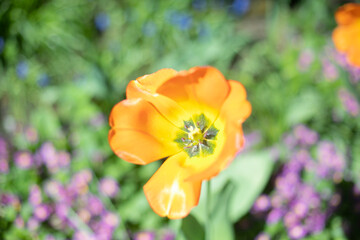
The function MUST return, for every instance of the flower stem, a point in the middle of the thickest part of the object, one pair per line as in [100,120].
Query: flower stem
[207,212]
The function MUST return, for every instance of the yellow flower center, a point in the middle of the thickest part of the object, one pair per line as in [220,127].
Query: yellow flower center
[197,137]
[195,134]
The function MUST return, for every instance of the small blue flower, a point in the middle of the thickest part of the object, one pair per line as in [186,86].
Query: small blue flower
[2,43]
[43,80]
[199,4]
[102,21]
[149,29]
[183,21]
[204,30]
[22,69]
[239,7]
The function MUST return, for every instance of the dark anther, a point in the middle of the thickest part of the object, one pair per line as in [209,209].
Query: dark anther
[183,139]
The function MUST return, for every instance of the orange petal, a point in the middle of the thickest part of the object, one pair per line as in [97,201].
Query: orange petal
[139,133]
[166,106]
[200,87]
[236,108]
[167,192]
[341,38]
[354,55]
[347,13]
[230,137]
[152,82]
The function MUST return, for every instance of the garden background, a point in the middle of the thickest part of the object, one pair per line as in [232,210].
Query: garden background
[64,64]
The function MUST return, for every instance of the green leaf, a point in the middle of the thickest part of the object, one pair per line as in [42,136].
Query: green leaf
[250,172]
[303,108]
[221,226]
[192,229]
[47,122]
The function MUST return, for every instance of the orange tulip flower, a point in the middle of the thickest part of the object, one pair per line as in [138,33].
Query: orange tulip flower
[346,36]
[190,118]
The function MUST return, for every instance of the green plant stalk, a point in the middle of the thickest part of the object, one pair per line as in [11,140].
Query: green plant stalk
[208,211]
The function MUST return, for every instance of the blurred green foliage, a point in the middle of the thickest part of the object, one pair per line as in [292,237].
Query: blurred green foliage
[64,64]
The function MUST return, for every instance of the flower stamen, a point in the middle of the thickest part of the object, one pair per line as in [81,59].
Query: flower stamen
[194,139]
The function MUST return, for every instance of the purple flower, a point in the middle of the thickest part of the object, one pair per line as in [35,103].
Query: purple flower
[42,212]
[80,235]
[59,224]
[349,102]
[102,230]
[335,200]
[2,43]
[168,235]
[354,73]
[356,190]
[49,156]
[31,134]
[297,162]
[57,191]
[98,156]
[329,70]
[33,224]
[50,237]
[104,233]
[19,222]
[145,235]
[108,187]
[305,136]
[79,182]
[23,159]
[251,140]
[84,215]
[4,165]
[353,70]
[35,195]
[291,219]
[277,200]
[262,236]
[95,205]
[315,222]
[305,60]
[330,161]
[274,216]
[3,148]
[98,120]
[63,159]
[287,184]
[300,208]
[308,194]
[8,199]
[289,140]
[297,232]
[61,210]
[111,219]
[262,204]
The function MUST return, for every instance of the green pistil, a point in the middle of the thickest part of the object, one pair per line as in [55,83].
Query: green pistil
[197,136]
